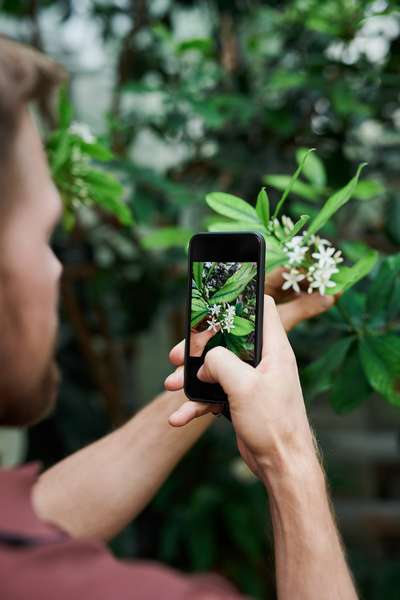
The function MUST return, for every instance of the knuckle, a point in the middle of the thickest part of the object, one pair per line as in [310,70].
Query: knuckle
[288,359]
[214,354]
[249,384]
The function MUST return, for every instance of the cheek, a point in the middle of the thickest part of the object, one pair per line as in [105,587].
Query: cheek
[33,295]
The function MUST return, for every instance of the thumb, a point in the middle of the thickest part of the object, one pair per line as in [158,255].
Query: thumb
[223,367]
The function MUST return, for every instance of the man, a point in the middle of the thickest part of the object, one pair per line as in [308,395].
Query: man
[53,526]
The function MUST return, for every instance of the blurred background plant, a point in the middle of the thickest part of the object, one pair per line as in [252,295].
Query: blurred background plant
[194,97]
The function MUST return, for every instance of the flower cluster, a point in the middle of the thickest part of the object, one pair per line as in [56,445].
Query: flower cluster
[221,317]
[313,260]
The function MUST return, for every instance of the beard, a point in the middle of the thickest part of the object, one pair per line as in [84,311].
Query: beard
[25,407]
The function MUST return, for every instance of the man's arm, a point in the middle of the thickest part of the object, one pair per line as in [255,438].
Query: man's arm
[309,557]
[98,490]
[275,439]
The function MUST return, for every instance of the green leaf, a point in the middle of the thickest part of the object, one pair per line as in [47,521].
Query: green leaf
[239,346]
[236,226]
[232,207]
[242,326]
[368,189]
[262,207]
[281,182]
[204,46]
[350,386]
[349,276]
[316,377]
[197,317]
[355,249]
[197,269]
[166,237]
[380,358]
[313,168]
[102,182]
[381,288]
[335,202]
[60,144]
[117,207]
[275,255]
[235,284]
[292,181]
[65,110]
[297,227]
[94,150]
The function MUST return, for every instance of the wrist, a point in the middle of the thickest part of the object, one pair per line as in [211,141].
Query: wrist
[292,467]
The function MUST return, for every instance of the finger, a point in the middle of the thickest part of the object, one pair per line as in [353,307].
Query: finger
[177,354]
[174,381]
[303,307]
[191,410]
[223,367]
[275,342]
[199,340]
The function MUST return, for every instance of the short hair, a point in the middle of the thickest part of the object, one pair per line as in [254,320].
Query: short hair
[26,75]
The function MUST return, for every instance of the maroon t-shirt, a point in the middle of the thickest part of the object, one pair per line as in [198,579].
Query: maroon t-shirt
[41,562]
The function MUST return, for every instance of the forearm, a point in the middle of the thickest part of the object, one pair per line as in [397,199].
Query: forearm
[98,490]
[310,561]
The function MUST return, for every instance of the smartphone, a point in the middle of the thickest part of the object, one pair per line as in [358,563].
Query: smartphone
[225,304]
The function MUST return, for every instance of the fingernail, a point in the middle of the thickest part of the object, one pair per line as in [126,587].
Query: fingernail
[200,373]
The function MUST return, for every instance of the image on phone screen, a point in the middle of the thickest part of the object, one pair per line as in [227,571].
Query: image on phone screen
[223,308]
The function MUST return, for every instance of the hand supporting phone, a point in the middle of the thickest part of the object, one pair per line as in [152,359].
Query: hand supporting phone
[225,304]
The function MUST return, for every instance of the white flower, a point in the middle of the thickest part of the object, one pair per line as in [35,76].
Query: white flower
[83,131]
[320,279]
[213,324]
[292,280]
[207,264]
[214,310]
[315,239]
[287,224]
[295,242]
[324,255]
[296,255]
[338,256]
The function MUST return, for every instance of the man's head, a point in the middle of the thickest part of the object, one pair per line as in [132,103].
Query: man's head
[29,210]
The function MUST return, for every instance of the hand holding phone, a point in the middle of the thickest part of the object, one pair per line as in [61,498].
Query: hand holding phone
[293,309]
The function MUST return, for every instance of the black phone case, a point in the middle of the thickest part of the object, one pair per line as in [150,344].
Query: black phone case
[260,307]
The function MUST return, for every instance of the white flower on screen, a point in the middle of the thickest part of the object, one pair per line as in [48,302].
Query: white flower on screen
[292,279]
[213,324]
[215,309]
[208,264]
[231,310]
[83,131]
[229,317]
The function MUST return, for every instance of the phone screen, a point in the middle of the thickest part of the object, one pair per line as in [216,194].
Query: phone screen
[224,304]
[223,308]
